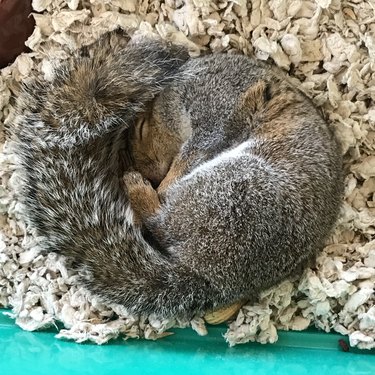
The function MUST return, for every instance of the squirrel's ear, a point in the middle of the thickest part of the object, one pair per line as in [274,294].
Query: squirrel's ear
[256,96]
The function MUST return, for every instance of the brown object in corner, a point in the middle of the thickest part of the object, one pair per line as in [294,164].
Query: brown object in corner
[16,26]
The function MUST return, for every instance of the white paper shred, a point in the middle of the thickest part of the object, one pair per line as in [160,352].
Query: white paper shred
[329,48]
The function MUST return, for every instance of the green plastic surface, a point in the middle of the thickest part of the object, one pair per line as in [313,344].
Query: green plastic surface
[185,352]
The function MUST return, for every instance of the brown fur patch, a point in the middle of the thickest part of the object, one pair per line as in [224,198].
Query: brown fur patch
[143,198]
[272,108]
[153,148]
[176,170]
[253,99]
[279,117]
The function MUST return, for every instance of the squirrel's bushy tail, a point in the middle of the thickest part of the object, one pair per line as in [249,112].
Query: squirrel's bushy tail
[70,135]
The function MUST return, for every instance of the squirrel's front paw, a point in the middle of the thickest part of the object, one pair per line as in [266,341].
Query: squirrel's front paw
[143,198]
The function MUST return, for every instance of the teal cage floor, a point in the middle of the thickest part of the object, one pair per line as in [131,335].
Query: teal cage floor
[296,353]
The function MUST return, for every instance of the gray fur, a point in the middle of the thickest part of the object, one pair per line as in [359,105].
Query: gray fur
[227,230]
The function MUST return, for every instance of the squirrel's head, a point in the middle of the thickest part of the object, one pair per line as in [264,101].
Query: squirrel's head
[153,148]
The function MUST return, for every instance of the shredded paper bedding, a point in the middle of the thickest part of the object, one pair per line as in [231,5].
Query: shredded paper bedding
[328,46]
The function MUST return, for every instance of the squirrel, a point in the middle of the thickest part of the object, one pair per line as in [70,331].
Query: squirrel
[176,186]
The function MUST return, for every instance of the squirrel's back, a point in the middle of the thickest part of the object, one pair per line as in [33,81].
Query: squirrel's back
[264,184]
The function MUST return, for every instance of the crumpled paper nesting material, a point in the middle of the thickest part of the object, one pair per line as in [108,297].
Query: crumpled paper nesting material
[328,47]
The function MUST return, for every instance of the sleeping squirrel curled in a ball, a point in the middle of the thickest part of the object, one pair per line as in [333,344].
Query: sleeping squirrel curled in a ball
[248,174]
